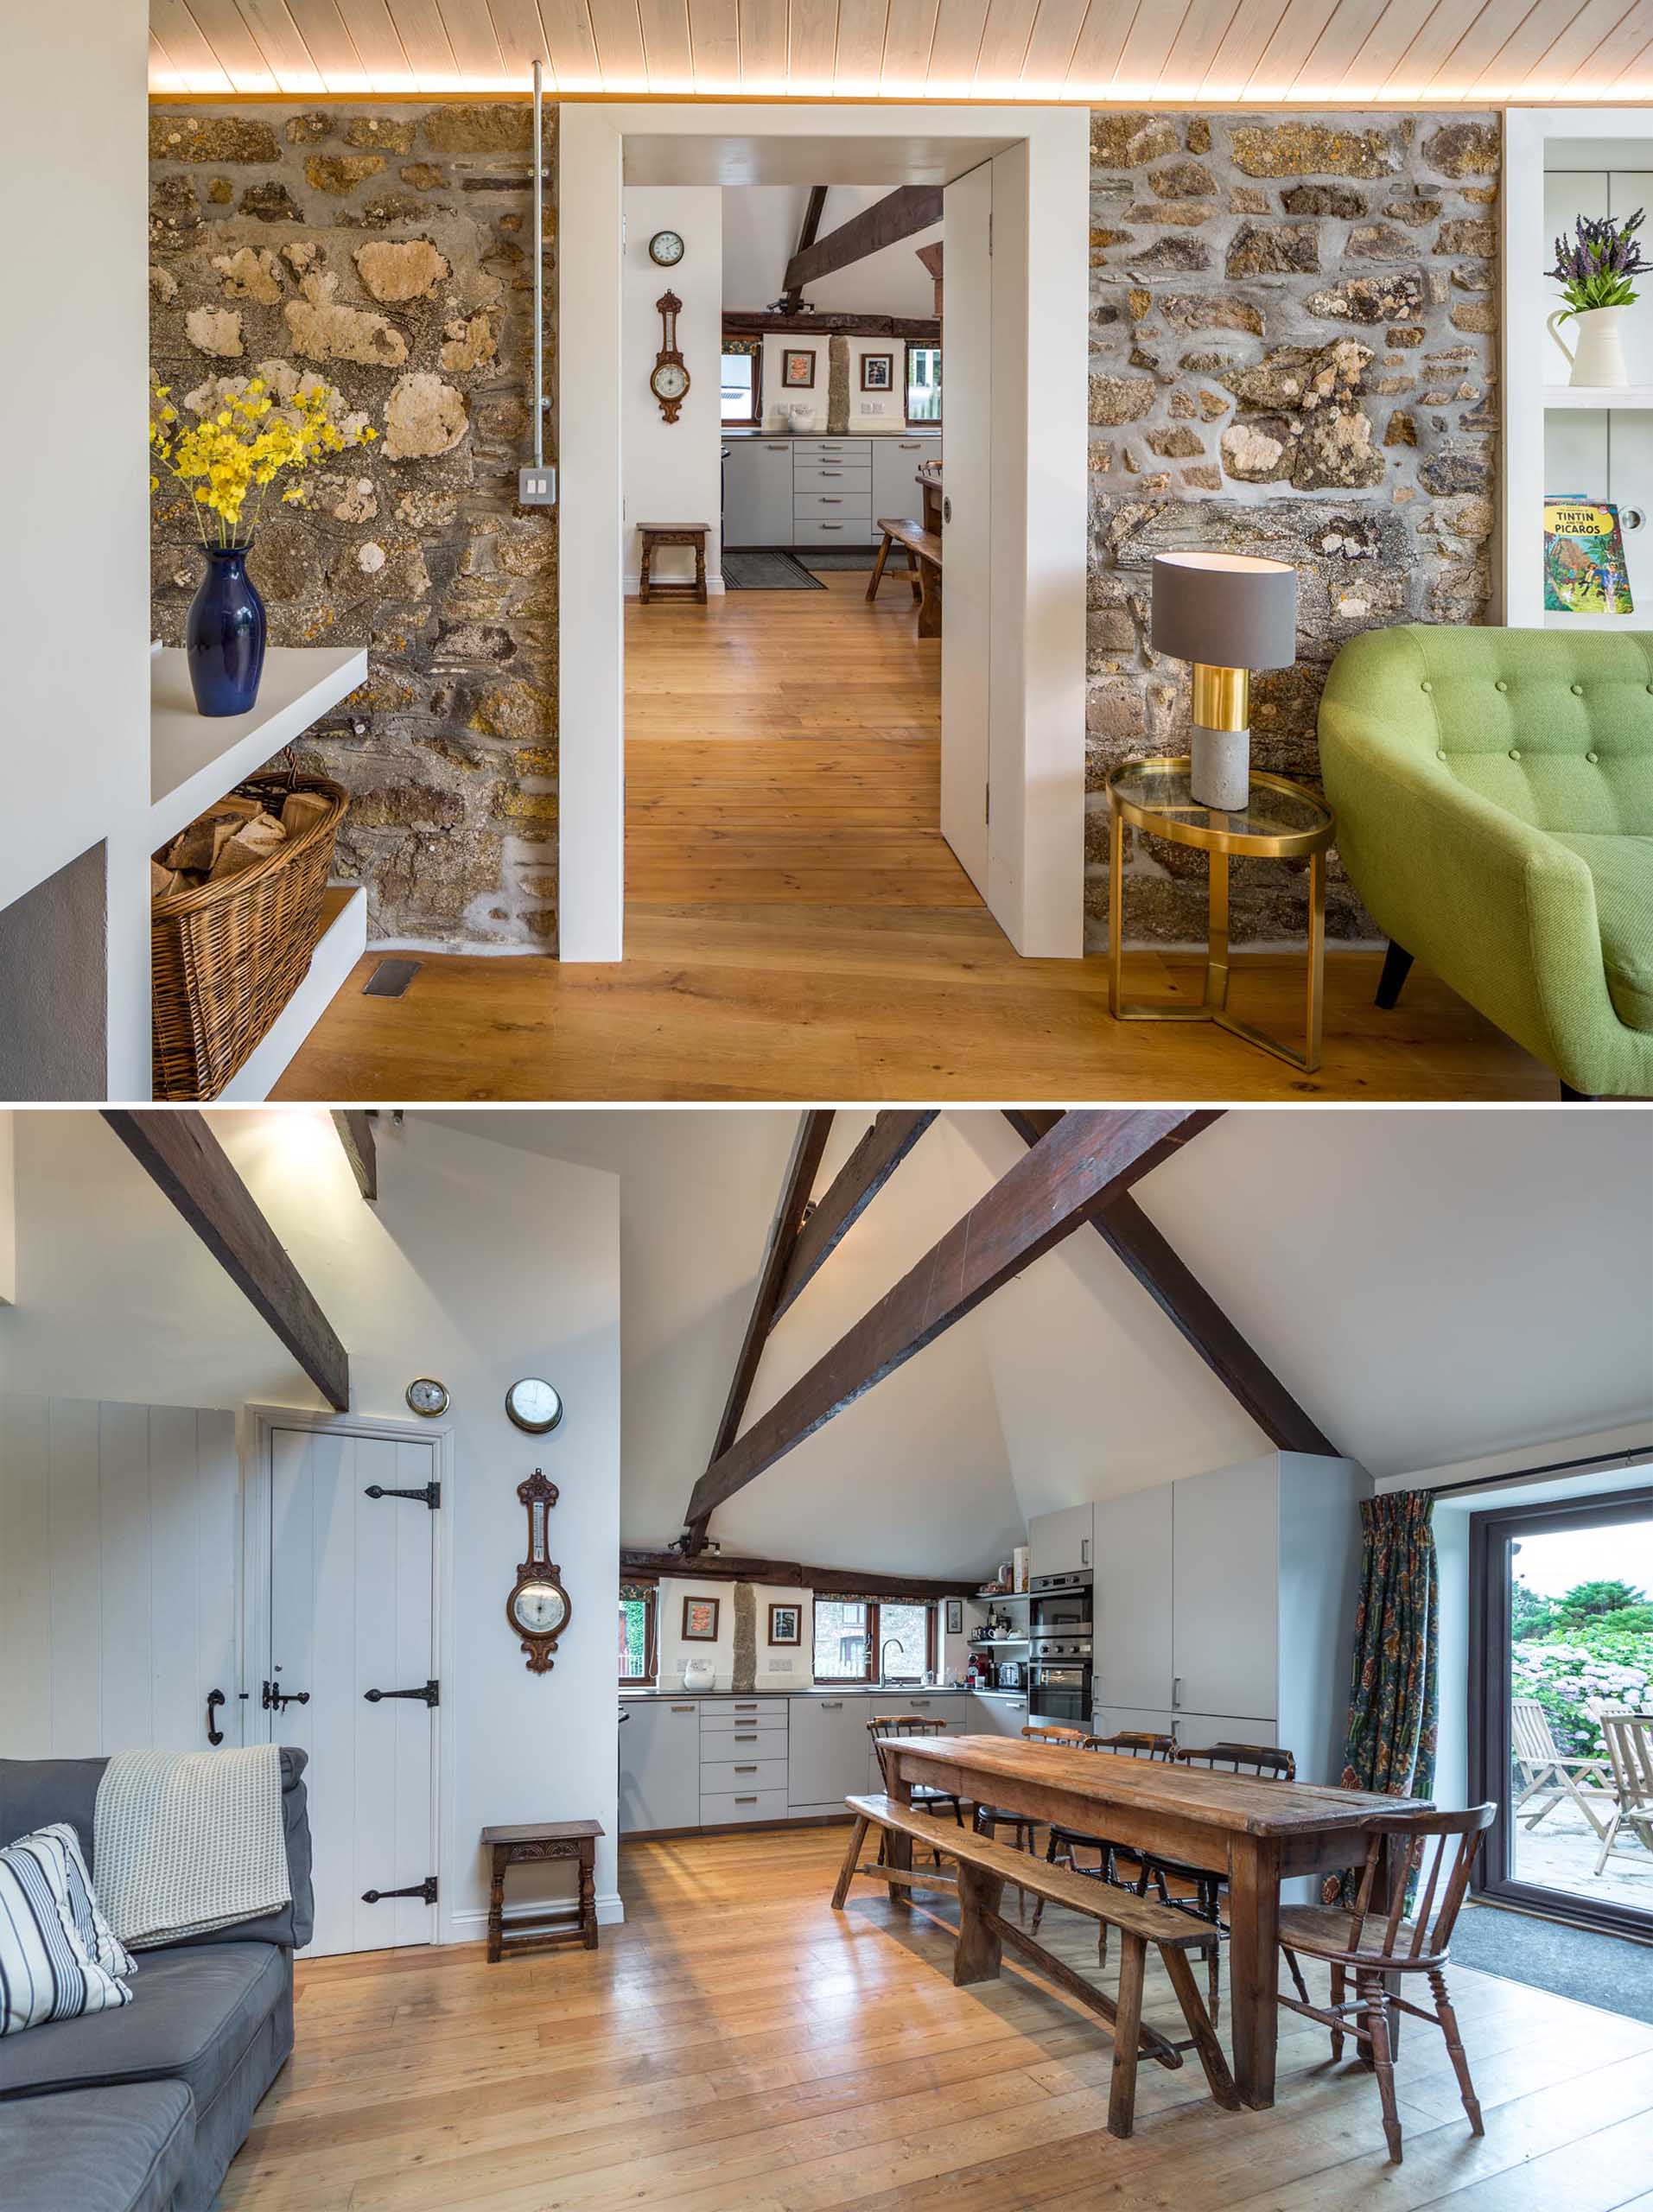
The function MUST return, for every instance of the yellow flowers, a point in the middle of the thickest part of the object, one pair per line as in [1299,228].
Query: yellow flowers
[242,440]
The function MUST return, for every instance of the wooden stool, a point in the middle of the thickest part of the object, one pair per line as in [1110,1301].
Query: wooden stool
[673,533]
[531,1843]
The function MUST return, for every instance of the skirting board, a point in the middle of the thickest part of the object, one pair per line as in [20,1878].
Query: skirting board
[470,1923]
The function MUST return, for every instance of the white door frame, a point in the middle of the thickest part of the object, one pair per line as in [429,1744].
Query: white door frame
[1037,750]
[258,1425]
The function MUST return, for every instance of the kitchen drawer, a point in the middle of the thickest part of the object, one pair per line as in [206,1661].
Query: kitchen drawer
[807,507]
[832,476]
[765,1741]
[721,1712]
[808,450]
[720,1807]
[818,530]
[747,1772]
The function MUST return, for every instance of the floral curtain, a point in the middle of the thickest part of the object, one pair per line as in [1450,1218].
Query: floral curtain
[1394,1696]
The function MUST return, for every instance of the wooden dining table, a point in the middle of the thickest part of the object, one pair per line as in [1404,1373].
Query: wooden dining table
[1256,1833]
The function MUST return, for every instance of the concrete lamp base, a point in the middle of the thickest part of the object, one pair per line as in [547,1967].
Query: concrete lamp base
[1220,774]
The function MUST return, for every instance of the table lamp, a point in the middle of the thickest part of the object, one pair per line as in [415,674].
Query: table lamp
[1228,613]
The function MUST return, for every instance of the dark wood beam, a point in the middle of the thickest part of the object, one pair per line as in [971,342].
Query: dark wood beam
[807,232]
[789,1574]
[356,1136]
[900,215]
[753,322]
[854,1186]
[799,1180]
[1087,1160]
[1193,1312]
[186,1162]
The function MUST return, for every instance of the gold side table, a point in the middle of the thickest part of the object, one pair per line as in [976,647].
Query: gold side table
[1282,821]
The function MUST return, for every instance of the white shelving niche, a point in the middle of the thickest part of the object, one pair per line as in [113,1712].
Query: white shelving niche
[1561,440]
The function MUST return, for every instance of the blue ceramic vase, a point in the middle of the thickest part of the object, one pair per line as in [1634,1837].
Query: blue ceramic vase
[225,634]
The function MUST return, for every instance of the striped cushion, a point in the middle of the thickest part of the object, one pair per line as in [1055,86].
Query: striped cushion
[98,1938]
[47,1972]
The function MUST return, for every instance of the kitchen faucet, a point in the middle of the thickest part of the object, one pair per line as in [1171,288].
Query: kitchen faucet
[883,1676]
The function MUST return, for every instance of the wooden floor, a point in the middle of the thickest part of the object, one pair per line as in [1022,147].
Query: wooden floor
[738,2047]
[796,928]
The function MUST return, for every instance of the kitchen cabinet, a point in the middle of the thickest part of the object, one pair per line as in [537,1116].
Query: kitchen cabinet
[827,1754]
[660,1764]
[758,492]
[895,463]
[1224,1606]
[1001,1713]
[1060,1543]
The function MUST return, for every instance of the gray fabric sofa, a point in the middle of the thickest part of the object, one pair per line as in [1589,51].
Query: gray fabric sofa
[141,2110]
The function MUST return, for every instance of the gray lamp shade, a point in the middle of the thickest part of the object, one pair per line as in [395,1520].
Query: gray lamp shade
[1228,610]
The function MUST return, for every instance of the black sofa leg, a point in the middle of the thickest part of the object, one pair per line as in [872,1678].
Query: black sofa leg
[1570,1096]
[1397,963]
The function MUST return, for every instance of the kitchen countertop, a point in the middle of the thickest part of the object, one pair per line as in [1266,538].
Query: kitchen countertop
[912,430]
[832,1689]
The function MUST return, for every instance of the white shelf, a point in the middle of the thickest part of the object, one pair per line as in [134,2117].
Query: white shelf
[1598,395]
[195,758]
[344,939]
[992,1643]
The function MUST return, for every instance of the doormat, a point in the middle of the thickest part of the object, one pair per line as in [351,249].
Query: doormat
[774,571]
[1605,1971]
[843,557]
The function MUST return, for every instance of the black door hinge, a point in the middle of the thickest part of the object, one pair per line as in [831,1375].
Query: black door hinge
[430,1495]
[430,1692]
[426,1890]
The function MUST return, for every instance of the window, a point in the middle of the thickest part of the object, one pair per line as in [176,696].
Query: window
[850,1633]
[924,384]
[741,383]
[637,1646]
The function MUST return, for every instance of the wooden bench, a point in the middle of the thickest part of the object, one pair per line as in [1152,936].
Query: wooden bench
[984,1867]
[922,548]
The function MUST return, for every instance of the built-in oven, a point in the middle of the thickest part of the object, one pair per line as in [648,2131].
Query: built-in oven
[1059,1605]
[1059,1679]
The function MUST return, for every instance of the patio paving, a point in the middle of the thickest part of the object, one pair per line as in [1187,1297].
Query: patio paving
[1560,1854]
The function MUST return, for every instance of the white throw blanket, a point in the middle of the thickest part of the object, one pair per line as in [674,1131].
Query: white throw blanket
[184,1841]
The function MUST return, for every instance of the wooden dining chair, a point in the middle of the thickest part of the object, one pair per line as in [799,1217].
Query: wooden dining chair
[1048,1732]
[881,1728]
[1378,1940]
[1268,1762]
[1129,1742]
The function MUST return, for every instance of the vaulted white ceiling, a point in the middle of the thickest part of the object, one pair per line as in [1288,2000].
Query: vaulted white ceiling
[760,230]
[1391,50]
[1430,1285]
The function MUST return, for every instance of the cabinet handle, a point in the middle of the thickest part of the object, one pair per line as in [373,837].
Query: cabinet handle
[682,1708]
[777,448]
[1176,1692]
[746,1739]
[745,1800]
[745,1769]
[746,1705]
[1085,1551]
[909,445]
[832,526]
[831,1704]
[827,500]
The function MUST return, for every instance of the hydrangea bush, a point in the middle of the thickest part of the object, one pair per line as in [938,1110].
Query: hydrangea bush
[1583,1667]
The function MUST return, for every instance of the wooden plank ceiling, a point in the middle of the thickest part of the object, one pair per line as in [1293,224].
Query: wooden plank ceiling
[1404,51]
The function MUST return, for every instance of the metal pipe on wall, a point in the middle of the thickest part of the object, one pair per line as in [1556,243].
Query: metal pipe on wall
[539,267]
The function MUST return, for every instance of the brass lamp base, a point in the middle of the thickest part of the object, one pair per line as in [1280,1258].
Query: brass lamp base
[1221,747]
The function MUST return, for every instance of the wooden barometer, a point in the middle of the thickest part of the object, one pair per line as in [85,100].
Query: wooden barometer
[669,379]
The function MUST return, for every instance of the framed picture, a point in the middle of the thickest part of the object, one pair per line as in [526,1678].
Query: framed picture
[955,1617]
[797,369]
[700,1619]
[785,1624]
[878,371]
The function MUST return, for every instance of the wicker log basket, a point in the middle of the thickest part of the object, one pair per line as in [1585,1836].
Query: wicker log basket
[227,957]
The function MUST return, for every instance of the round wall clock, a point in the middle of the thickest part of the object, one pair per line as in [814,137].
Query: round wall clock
[666,249]
[428,1396]
[538,1609]
[534,1405]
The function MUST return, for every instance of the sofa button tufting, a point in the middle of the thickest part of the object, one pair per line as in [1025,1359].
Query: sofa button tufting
[1593,757]
[1500,685]
[1515,753]
[1440,753]
[1577,690]
[1427,686]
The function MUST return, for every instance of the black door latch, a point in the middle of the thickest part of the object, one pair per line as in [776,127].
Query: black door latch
[430,1692]
[276,1700]
[425,1890]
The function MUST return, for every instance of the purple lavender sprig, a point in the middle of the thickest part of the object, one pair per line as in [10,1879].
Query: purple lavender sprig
[1594,267]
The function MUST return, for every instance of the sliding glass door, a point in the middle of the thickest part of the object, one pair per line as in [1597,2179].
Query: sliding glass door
[1561,1706]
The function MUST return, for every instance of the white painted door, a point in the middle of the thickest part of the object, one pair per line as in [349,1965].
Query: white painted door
[119,1535]
[350,1611]
[967,524]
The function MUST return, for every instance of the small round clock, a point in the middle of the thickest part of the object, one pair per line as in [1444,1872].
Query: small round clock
[534,1405]
[666,249]
[428,1396]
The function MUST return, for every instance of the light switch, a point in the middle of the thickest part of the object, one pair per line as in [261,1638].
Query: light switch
[537,487]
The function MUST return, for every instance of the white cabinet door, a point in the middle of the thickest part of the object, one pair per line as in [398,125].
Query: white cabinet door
[1225,1580]
[1133,1598]
[967,532]
[660,1764]
[1061,1544]
[895,476]
[1116,1720]
[1198,1730]
[757,493]
[826,1749]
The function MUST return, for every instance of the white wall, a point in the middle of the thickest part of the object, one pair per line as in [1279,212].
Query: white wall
[672,470]
[870,412]
[780,1666]
[761,226]
[478,1265]
[74,737]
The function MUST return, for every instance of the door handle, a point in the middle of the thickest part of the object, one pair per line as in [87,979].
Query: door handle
[429,1692]
[946,509]
[214,1699]
[274,1700]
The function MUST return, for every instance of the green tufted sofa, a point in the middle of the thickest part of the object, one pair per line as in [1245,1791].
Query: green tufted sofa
[1494,796]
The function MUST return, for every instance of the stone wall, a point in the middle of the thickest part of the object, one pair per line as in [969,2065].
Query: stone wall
[388,247]
[1293,352]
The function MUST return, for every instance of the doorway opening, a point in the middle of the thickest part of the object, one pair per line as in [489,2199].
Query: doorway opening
[796,747]
[1561,1707]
